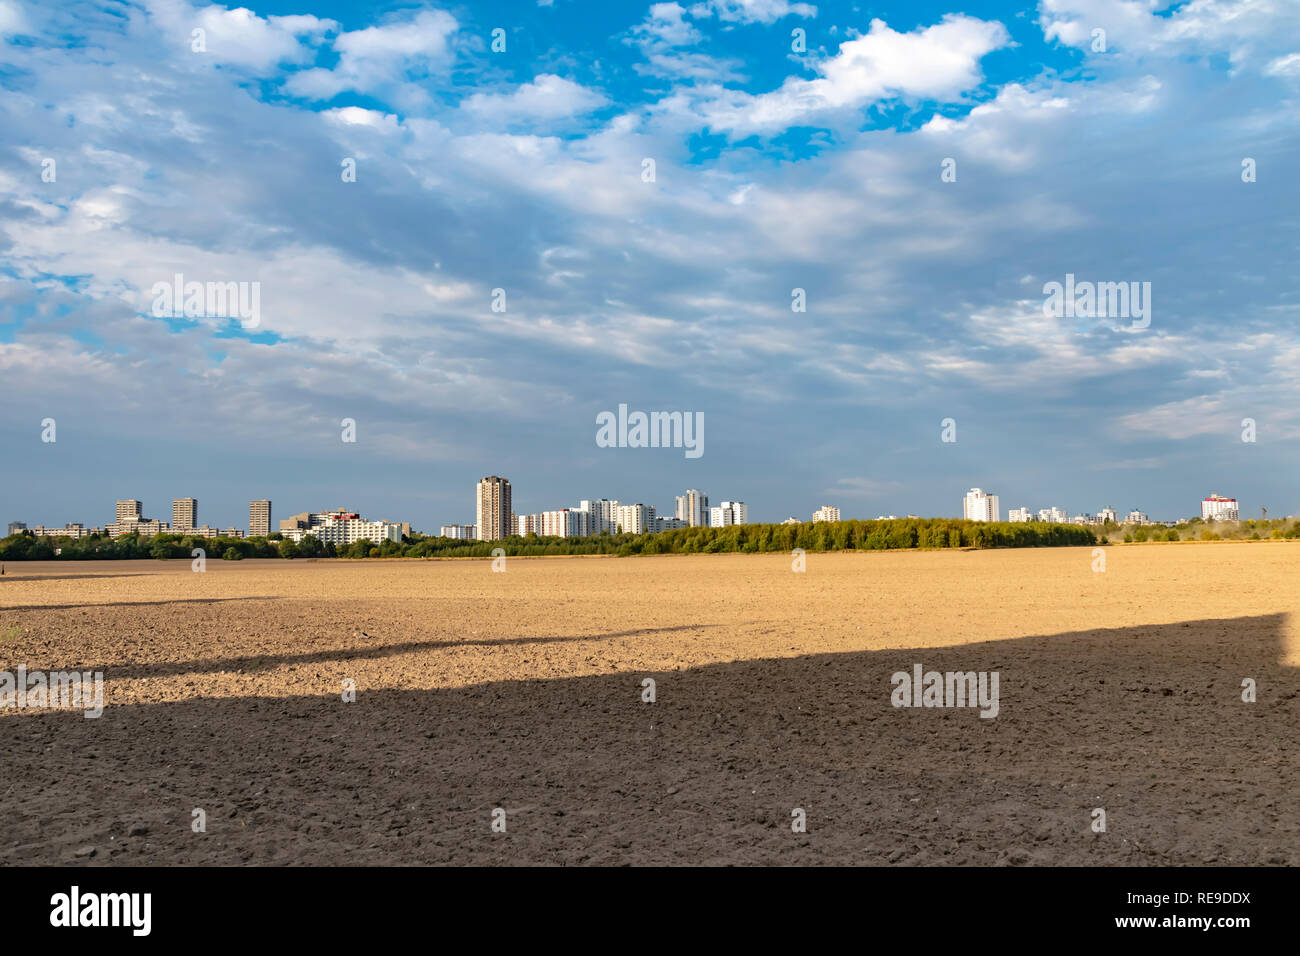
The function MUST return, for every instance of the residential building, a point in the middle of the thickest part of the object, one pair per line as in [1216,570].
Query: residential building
[296,522]
[566,523]
[794,520]
[527,524]
[1219,508]
[1020,515]
[1054,515]
[185,513]
[667,524]
[728,513]
[1107,514]
[602,511]
[71,530]
[634,519]
[16,526]
[259,518]
[980,506]
[128,510]
[492,503]
[459,532]
[693,507]
[345,527]
[1137,517]
[825,513]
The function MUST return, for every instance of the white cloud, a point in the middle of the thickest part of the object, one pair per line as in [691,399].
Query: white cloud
[382,56]
[240,37]
[937,62]
[547,97]
[752,11]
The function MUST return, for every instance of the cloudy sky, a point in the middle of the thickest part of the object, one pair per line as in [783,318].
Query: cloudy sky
[128,156]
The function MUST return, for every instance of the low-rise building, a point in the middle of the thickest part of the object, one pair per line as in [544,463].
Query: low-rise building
[460,532]
[825,513]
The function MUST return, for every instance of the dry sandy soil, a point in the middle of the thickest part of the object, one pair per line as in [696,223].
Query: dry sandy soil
[523,690]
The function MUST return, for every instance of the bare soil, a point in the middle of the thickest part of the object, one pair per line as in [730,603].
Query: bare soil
[1120,690]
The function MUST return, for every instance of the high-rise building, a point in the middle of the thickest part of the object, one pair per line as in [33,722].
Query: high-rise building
[979,506]
[259,518]
[1219,508]
[1020,514]
[1054,515]
[1137,517]
[185,514]
[727,513]
[602,511]
[495,517]
[693,507]
[1107,514]
[826,513]
[634,519]
[128,510]
[16,526]
[459,532]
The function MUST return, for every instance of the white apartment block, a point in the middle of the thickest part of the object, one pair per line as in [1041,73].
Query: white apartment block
[980,506]
[727,513]
[1137,517]
[128,510]
[667,524]
[565,523]
[1219,508]
[460,532]
[693,507]
[603,514]
[1107,514]
[341,528]
[634,519]
[1018,515]
[825,513]
[1055,515]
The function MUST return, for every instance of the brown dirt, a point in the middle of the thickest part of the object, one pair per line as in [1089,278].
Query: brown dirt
[522,690]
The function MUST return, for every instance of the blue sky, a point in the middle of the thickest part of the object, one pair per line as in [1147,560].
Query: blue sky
[522,170]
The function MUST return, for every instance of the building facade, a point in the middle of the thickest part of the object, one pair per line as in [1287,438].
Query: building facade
[979,505]
[825,513]
[493,509]
[259,518]
[693,507]
[459,532]
[185,514]
[1219,508]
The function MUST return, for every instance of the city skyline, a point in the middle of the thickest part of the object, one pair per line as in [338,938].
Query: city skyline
[827,265]
[988,507]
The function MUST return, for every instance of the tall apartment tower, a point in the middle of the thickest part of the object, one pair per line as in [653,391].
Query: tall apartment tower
[185,514]
[979,506]
[128,510]
[495,517]
[259,518]
[693,508]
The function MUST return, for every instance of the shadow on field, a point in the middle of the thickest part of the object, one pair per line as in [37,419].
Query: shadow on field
[1147,723]
[213,665]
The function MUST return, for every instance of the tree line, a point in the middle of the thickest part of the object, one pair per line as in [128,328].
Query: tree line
[883,535]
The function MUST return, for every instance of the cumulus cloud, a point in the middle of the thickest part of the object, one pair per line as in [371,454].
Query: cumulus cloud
[547,97]
[937,62]
[388,56]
